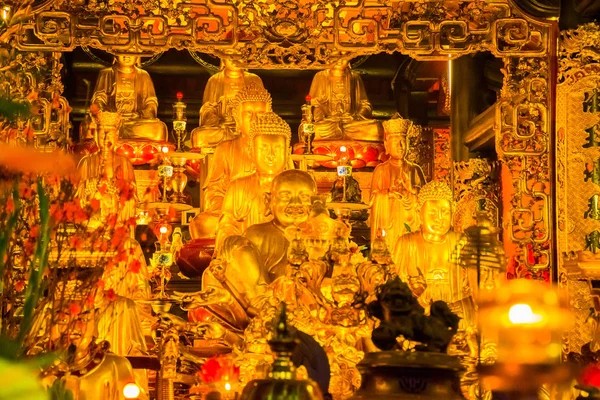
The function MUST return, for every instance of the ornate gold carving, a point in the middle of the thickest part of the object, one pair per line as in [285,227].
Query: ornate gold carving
[275,33]
[577,183]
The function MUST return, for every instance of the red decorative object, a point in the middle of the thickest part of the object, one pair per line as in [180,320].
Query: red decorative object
[591,376]
[141,152]
[199,315]
[308,98]
[219,368]
[179,95]
[195,256]
[359,154]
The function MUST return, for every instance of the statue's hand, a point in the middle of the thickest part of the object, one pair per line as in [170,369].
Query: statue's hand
[218,269]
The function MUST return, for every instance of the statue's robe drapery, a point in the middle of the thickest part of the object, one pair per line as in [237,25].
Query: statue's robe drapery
[243,206]
[136,102]
[333,107]
[394,213]
[230,161]
[105,382]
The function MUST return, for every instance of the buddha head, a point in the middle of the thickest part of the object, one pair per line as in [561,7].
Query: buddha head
[435,200]
[291,195]
[127,60]
[269,140]
[250,102]
[108,132]
[396,136]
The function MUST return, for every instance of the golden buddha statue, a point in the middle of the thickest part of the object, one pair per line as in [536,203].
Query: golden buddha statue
[107,178]
[231,158]
[216,118]
[244,204]
[425,259]
[128,89]
[394,186]
[238,278]
[341,108]
[91,372]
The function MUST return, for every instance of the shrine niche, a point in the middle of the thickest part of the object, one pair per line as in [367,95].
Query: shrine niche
[239,204]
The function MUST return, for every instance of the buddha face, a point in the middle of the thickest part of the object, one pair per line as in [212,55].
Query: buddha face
[127,60]
[436,217]
[269,154]
[75,325]
[291,197]
[248,112]
[396,146]
[107,136]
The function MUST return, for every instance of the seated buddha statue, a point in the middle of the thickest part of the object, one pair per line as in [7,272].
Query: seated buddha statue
[244,204]
[91,371]
[128,89]
[247,264]
[341,108]
[216,118]
[394,186]
[231,158]
[425,258]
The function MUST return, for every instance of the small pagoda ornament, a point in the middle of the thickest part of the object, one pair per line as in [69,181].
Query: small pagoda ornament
[424,372]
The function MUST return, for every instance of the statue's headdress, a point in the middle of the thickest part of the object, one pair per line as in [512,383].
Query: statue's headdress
[252,92]
[397,126]
[270,124]
[435,191]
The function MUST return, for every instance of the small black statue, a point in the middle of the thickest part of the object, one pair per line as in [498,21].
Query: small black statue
[401,315]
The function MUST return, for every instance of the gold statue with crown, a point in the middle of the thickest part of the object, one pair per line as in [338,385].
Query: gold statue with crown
[244,203]
[395,185]
[426,258]
[231,159]
[107,184]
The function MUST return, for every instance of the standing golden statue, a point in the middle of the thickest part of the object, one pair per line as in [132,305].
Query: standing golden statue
[231,158]
[217,122]
[425,259]
[128,89]
[244,204]
[394,186]
[91,372]
[108,184]
[341,108]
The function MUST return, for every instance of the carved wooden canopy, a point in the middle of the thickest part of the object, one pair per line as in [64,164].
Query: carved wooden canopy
[279,33]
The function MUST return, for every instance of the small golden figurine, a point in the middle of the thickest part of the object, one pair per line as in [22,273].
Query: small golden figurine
[341,108]
[244,204]
[394,186]
[231,158]
[128,89]
[217,123]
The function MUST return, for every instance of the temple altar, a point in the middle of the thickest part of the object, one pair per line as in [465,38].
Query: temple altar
[274,197]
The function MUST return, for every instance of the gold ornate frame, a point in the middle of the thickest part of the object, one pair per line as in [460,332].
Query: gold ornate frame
[312,33]
[577,179]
